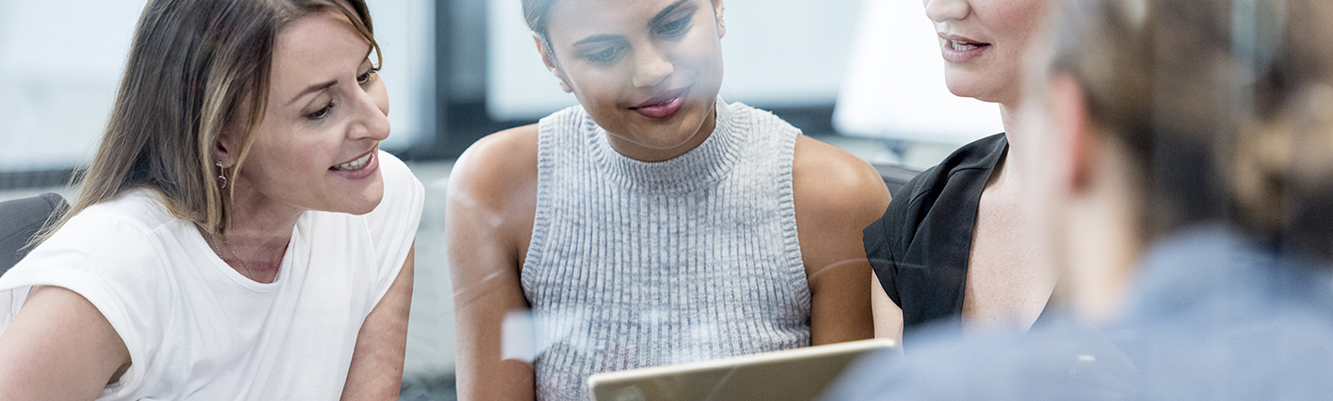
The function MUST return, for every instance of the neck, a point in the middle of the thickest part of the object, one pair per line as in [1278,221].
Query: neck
[1010,166]
[1009,118]
[1105,243]
[260,231]
[257,216]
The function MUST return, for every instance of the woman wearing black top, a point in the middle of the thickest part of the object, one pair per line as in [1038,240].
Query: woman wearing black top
[955,247]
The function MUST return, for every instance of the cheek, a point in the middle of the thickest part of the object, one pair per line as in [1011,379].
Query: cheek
[293,158]
[698,60]
[1014,23]
[599,88]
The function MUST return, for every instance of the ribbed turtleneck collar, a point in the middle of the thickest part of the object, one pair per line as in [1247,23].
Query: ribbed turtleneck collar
[700,167]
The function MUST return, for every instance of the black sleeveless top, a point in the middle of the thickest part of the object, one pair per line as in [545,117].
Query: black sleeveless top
[920,248]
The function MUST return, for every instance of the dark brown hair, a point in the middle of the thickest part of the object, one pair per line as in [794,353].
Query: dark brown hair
[537,13]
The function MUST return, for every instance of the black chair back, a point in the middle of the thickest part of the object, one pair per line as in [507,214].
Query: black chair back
[21,219]
[895,176]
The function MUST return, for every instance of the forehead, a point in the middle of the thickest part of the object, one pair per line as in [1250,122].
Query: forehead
[574,19]
[318,46]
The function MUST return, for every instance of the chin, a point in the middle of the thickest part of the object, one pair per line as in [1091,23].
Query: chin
[680,131]
[966,84]
[365,200]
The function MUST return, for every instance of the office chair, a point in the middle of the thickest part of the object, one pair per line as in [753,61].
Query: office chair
[21,219]
[895,176]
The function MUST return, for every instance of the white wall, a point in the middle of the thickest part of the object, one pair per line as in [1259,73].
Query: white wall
[776,53]
[895,87]
[61,79]
[62,61]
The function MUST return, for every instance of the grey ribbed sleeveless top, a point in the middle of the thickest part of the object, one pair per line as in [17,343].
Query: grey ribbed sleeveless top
[636,264]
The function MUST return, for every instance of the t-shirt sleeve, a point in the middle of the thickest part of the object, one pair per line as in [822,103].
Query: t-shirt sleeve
[886,239]
[393,224]
[124,288]
[880,253]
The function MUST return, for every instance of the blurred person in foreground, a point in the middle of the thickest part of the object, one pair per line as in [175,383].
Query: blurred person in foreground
[239,235]
[1188,207]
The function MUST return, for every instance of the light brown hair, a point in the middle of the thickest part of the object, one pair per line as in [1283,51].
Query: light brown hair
[1226,108]
[192,66]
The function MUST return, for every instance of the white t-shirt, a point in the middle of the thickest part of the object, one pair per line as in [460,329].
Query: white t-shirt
[197,329]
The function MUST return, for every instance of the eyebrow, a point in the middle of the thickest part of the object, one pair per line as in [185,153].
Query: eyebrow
[661,15]
[322,86]
[314,88]
[599,38]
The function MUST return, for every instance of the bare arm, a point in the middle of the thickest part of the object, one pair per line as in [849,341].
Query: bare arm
[489,217]
[59,347]
[377,362]
[837,196]
[888,316]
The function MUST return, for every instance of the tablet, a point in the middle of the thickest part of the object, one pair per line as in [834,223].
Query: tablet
[796,374]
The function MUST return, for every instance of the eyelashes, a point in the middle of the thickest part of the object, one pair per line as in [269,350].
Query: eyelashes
[607,56]
[671,31]
[363,80]
[675,28]
[322,112]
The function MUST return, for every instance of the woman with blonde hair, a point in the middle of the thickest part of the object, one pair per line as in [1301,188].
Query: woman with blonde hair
[239,234]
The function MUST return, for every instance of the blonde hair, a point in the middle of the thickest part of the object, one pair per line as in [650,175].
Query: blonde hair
[1226,107]
[193,64]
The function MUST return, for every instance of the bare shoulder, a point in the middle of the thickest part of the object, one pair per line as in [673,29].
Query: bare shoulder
[498,167]
[491,202]
[831,183]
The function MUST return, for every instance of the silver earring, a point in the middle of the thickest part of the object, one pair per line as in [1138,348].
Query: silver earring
[221,177]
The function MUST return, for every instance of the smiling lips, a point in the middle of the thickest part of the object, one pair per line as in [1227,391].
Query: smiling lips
[354,164]
[358,168]
[957,49]
[663,106]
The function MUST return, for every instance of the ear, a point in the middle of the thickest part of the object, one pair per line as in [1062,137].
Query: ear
[1081,145]
[226,148]
[718,9]
[548,58]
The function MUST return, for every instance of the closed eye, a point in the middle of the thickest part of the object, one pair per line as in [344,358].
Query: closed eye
[606,56]
[675,28]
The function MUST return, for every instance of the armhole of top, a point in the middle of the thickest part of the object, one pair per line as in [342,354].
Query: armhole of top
[787,199]
[541,219]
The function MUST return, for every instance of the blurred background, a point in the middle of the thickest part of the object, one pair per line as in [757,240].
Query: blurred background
[864,75]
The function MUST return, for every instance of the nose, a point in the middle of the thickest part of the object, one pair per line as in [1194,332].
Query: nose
[942,11]
[371,120]
[651,67]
